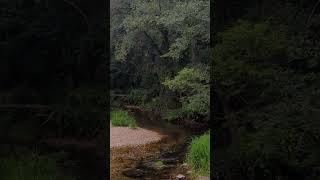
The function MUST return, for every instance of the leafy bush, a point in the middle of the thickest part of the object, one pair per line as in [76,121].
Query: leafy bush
[122,118]
[157,103]
[198,155]
[136,96]
[172,115]
[31,167]
[192,85]
[197,104]
[188,80]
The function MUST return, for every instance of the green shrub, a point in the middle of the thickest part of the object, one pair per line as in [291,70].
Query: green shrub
[173,115]
[198,155]
[31,167]
[197,104]
[122,118]
[192,84]
[136,96]
[155,103]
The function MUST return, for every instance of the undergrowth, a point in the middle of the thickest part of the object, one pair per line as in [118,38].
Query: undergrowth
[122,118]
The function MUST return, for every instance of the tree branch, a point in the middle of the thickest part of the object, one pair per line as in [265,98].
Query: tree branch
[84,16]
[312,12]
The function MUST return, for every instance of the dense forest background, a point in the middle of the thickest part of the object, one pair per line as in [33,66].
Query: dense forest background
[160,65]
[264,67]
[160,57]
[265,72]
[53,89]
[53,53]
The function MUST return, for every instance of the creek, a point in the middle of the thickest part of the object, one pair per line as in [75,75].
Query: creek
[159,160]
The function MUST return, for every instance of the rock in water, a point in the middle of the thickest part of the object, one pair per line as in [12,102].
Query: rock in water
[133,172]
[180,176]
[170,160]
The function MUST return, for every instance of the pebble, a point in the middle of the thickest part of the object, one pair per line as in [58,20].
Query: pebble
[180,176]
[184,165]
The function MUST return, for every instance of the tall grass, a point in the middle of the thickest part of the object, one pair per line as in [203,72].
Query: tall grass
[122,118]
[31,167]
[198,155]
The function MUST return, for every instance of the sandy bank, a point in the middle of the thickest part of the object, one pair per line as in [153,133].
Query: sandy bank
[125,136]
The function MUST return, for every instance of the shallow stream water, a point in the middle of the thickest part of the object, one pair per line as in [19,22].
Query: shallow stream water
[139,161]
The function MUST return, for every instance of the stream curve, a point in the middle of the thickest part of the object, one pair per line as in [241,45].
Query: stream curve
[155,151]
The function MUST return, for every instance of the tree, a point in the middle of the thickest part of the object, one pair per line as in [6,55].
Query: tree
[169,28]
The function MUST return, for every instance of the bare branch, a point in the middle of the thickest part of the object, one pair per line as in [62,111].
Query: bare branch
[84,16]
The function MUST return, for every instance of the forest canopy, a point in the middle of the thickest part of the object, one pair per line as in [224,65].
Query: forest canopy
[159,48]
[169,28]
[265,68]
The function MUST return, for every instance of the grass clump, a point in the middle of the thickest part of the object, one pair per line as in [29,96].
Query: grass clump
[198,155]
[122,118]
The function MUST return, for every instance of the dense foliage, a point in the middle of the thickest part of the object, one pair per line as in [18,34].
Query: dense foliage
[159,47]
[160,61]
[48,60]
[171,28]
[192,85]
[52,85]
[265,64]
